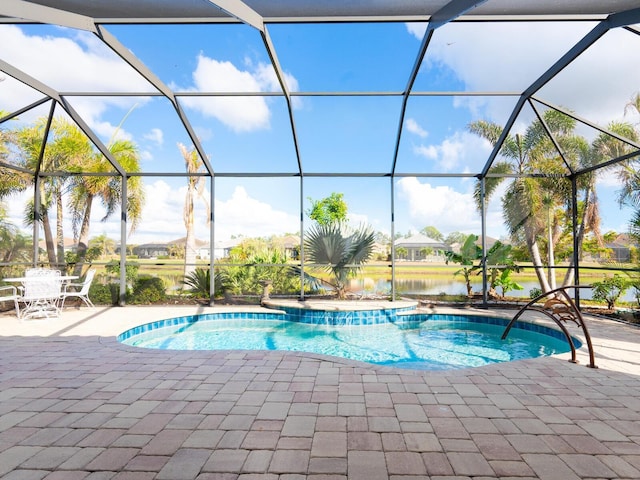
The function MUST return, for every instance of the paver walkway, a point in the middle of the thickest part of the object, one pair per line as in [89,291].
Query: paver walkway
[75,404]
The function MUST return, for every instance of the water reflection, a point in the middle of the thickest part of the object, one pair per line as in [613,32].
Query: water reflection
[447,286]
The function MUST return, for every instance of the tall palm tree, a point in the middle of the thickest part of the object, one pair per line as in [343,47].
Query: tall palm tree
[528,203]
[633,104]
[627,171]
[65,147]
[195,188]
[106,245]
[107,189]
[340,251]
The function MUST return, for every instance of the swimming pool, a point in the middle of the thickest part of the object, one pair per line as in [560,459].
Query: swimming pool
[420,341]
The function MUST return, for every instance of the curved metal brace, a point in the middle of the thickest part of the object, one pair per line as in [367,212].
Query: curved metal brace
[560,311]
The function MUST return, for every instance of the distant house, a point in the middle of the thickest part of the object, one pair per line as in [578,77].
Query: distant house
[621,248]
[151,250]
[420,248]
[69,245]
[291,244]
[223,248]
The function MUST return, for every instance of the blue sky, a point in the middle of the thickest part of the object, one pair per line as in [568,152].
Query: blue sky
[337,134]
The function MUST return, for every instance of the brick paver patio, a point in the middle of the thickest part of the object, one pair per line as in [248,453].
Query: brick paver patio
[76,404]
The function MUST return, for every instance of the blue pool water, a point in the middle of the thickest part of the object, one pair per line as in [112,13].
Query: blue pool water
[423,342]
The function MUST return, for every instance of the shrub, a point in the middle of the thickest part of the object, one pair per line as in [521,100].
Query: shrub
[535,292]
[131,270]
[100,294]
[147,289]
[610,290]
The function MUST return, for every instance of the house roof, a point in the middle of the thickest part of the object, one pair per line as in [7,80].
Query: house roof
[418,240]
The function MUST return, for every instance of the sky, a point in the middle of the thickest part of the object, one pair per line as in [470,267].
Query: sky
[336,133]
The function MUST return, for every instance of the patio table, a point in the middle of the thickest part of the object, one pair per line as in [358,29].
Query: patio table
[41,294]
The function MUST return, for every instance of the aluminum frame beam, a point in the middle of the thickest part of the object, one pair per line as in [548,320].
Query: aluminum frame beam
[446,14]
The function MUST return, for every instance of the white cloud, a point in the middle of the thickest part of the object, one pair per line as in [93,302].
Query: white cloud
[445,208]
[240,214]
[459,152]
[417,29]
[441,206]
[608,178]
[155,135]
[511,56]
[413,127]
[241,114]
[69,64]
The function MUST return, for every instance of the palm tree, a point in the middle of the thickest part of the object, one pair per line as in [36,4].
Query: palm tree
[633,104]
[14,246]
[195,187]
[107,189]
[65,147]
[528,204]
[339,250]
[604,147]
[106,245]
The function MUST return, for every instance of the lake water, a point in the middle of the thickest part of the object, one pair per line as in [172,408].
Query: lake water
[451,286]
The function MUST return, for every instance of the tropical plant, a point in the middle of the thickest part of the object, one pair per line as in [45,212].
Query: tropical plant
[247,270]
[610,290]
[469,253]
[500,264]
[195,188]
[506,283]
[198,282]
[339,250]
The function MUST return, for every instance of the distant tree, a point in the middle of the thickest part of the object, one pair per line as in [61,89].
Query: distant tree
[455,237]
[426,251]
[329,210]
[432,232]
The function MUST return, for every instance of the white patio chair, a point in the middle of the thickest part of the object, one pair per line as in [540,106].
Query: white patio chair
[79,290]
[8,294]
[41,293]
